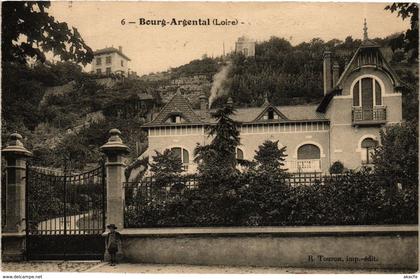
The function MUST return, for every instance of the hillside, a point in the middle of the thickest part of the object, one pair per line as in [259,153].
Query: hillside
[194,79]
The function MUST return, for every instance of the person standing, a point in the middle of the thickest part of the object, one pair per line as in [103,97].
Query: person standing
[113,241]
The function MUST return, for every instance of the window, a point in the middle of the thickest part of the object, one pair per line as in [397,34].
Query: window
[367,93]
[98,61]
[108,60]
[368,145]
[98,71]
[183,155]
[245,51]
[122,63]
[108,71]
[270,115]
[308,152]
[175,118]
[239,154]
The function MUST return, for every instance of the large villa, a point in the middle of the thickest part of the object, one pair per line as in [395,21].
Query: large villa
[343,127]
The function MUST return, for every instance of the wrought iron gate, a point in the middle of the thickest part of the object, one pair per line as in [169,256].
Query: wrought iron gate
[65,215]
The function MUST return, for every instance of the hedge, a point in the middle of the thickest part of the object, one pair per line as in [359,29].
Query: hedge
[244,200]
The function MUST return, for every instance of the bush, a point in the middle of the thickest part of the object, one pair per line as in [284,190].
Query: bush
[348,199]
[396,159]
[336,168]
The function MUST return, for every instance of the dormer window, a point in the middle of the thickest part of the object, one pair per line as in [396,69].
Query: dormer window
[175,118]
[270,115]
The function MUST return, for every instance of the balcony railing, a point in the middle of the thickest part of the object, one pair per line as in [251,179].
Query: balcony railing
[310,165]
[368,116]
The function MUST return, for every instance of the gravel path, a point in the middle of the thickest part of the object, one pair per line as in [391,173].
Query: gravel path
[56,266]
[61,266]
[169,268]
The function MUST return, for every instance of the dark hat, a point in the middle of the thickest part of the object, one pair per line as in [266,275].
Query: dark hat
[111,226]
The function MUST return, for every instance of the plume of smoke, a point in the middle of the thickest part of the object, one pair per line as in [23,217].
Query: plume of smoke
[217,88]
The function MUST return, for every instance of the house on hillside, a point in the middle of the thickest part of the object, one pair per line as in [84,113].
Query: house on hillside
[344,126]
[110,60]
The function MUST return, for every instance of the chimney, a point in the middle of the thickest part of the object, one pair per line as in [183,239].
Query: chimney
[120,48]
[327,71]
[203,102]
[335,73]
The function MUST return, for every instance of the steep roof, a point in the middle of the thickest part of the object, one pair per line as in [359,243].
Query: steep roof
[177,105]
[367,54]
[322,107]
[110,50]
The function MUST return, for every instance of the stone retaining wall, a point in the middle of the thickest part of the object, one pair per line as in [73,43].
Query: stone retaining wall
[359,247]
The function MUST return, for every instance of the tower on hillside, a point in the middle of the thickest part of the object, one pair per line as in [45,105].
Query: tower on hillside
[246,46]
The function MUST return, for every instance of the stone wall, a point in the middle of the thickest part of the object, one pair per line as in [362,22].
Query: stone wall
[346,247]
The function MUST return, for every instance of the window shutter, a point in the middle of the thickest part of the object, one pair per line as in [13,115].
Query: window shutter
[186,156]
[378,93]
[356,94]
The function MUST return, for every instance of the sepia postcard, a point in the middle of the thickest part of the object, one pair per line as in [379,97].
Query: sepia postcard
[209,138]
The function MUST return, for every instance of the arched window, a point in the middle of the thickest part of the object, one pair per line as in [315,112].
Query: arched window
[368,145]
[183,155]
[309,152]
[239,154]
[367,92]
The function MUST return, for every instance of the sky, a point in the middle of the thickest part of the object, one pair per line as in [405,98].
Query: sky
[154,48]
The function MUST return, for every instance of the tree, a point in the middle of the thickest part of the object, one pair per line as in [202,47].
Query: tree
[73,154]
[269,156]
[28,31]
[218,159]
[166,163]
[396,159]
[410,40]
[267,172]
[21,94]
[166,167]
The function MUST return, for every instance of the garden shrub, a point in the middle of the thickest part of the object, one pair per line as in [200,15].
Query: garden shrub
[349,199]
[336,168]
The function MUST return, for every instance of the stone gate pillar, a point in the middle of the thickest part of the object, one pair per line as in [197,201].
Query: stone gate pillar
[13,232]
[115,150]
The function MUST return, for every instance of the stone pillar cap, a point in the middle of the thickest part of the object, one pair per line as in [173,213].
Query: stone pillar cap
[15,147]
[115,143]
